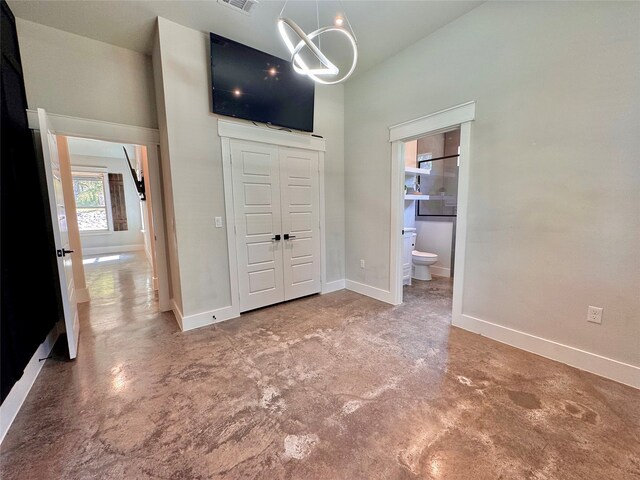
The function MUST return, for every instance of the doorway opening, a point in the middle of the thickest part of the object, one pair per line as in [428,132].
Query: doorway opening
[108,198]
[429,192]
[86,193]
[430,209]
[431,205]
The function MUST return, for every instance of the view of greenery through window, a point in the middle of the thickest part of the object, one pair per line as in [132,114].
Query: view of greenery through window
[91,207]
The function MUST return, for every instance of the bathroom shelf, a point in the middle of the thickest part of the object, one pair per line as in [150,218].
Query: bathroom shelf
[409,171]
[416,171]
[417,196]
[423,171]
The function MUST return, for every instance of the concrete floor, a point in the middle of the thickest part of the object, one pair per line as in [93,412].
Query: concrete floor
[337,386]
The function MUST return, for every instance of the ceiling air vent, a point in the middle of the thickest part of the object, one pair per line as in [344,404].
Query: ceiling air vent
[244,6]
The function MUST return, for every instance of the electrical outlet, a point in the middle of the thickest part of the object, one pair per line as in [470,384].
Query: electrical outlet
[594,314]
[361,263]
[218,222]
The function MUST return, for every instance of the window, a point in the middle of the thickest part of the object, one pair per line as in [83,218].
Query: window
[93,207]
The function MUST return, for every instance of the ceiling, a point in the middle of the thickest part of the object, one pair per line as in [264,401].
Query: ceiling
[382,27]
[100,148]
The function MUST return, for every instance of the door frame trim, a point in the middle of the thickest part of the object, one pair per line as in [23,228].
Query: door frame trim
[115,132]
[443,120]
[228,130]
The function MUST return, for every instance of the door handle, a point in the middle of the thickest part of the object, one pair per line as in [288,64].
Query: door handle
[63,252]
[288,237]
[276,238]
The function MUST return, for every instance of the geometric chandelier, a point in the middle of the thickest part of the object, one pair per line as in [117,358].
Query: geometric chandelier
[327,73]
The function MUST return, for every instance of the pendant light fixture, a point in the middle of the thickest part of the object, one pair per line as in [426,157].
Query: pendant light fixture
[327,72]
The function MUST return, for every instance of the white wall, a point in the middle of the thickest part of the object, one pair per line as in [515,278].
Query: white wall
[132,237]
[410,160]
[554,210]
[192,151]
[195,163]
[72,75]
[329,122]
[173,265]
[436,237]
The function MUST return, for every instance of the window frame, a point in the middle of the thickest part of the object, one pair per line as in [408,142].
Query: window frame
[79,169]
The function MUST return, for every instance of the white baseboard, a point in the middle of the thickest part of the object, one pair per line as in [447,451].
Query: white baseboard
[203,319]
[333,286]
[440,271]
[12,404]
[369,291]
[115,249]
[82,295]
[590,362]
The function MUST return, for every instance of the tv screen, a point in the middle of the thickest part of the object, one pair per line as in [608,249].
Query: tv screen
[254,85]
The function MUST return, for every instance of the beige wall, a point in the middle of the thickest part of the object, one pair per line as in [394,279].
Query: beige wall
[149,232]
[410,154]
[192,156]
[72,75]
[554,210]
[433,144]
[173,265]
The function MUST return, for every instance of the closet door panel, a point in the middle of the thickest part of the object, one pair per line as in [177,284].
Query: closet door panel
[257,209]
[300,199]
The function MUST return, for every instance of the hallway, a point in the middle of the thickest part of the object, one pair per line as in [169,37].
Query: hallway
[122,279]
[337,386]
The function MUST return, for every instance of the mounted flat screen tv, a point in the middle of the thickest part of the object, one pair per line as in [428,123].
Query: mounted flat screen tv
[254,85]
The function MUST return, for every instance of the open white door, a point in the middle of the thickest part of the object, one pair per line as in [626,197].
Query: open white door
[60,233]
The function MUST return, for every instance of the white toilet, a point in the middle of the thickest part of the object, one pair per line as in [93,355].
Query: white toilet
[421,262]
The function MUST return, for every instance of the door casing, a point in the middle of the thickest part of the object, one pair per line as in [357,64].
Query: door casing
[462,115]
[113,132]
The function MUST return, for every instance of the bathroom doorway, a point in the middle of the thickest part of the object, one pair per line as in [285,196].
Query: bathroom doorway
[430,178]
[431,204]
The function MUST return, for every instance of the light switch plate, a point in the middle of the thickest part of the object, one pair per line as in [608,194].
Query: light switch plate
[218,222]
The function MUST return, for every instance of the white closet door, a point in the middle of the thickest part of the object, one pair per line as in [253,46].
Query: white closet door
[256,198]
[299,180]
